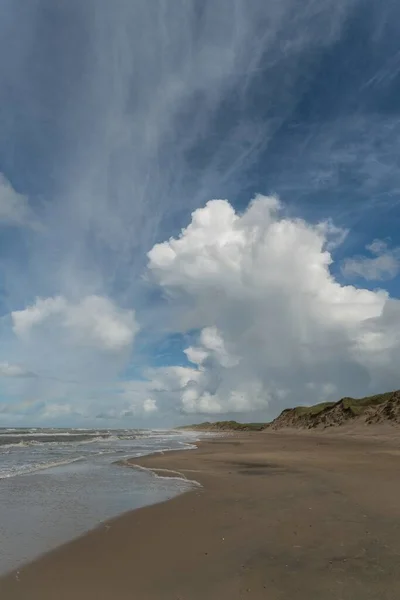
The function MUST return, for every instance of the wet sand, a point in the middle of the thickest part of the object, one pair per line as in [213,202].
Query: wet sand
[280,516]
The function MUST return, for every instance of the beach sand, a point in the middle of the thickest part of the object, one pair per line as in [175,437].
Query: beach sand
[280,516]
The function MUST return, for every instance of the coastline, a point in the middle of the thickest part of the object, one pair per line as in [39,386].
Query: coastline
[48,505]
[279,515]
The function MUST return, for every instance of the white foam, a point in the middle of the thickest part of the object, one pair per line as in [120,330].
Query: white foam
[48,434]
[25,455]
[25,470]
[156,473]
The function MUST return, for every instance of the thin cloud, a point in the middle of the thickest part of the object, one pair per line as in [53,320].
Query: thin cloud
[13,370]
[382,266]
[14,207]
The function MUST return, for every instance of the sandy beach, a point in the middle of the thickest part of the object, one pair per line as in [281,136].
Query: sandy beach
[279,516]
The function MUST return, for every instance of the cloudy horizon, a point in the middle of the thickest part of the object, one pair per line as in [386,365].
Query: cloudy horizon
[199,207]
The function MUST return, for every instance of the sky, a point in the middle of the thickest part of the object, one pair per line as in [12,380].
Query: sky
[199,208]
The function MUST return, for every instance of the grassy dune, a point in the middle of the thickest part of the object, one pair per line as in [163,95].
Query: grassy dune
[368,410]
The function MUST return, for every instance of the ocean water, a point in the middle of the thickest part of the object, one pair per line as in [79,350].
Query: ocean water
[57,484]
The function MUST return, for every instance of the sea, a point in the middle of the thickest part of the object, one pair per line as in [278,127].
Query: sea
[56,484]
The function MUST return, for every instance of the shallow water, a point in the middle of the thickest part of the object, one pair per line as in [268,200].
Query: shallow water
[43,506]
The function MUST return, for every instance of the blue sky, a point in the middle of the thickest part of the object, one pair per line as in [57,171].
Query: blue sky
[119,123]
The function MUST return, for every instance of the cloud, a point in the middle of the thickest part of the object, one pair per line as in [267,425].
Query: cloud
[135,400]
[58,410]
[72,349]
[210,103]
[40,411]
[12,370]
[141,409]
[140,142]
[14,207]
[274,325]
[211,345]
[150,406]
[384,265]
[92,321]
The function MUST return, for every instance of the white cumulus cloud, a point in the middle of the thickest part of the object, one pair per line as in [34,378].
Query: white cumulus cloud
[150,406]
[92,321]
[274,325]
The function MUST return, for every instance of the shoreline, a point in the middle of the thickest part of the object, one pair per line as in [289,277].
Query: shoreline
[162,473]
[51,505]
[276,513]
[157,472]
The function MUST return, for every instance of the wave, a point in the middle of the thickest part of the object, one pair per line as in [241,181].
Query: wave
[25,470]
[22,441]
[158,473]
[32,434]
[27,454]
